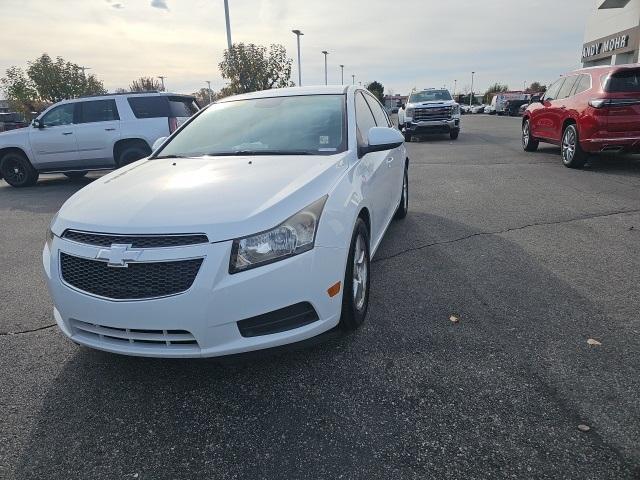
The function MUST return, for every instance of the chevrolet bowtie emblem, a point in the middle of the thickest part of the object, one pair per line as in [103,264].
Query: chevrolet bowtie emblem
[119,255]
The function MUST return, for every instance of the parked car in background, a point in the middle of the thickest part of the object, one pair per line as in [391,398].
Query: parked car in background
[500,101]
[252,227]
[430,111]
[489,109]
[590,110]
[464,109]
[522,109]
[91,133]
[477,108]
[11,121]
[512,107]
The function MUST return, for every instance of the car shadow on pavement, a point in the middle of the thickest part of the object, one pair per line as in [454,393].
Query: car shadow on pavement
[412,394]
[45,197]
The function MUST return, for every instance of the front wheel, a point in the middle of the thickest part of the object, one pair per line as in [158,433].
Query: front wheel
[355,296]
[453,134]
[17,170]
[572,154]
[529,143]
[403,206]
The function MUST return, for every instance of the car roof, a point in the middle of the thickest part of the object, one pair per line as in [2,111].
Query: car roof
[606,68]
[292,91]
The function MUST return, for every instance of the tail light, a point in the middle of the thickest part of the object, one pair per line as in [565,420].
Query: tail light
[599,102]
[173,124]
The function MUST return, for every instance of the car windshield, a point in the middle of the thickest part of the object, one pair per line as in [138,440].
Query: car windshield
[309,124]
[430,96]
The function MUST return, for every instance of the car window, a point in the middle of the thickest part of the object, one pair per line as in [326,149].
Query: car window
[286,125]
[182,106]
[149,107]
[552,91]
[582,85]
[98,111]
[625,81]
[567,87]
[381,118]
[60,115]
[364,119]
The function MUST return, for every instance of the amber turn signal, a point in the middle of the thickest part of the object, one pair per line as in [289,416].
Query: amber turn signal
[334,289]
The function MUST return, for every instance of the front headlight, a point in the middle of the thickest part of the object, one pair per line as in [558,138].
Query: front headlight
[409,112]
[50,235]
[295,235]
[455,110]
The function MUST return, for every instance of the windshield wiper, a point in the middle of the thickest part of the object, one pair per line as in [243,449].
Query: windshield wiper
[260,152]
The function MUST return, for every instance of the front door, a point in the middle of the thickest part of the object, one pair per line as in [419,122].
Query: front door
[54,145]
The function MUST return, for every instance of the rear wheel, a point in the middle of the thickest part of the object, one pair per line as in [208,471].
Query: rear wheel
[529,143]
[132,152]
[75,175]
[355,296]
[572,154]
[17,170]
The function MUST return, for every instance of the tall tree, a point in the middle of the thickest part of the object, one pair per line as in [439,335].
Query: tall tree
[377,89]
[146,84]
[493,89]
[204,96]
[47,81]
[536,87]
[250,67]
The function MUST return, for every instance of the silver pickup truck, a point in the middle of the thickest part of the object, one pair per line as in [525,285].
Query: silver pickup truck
[429,111]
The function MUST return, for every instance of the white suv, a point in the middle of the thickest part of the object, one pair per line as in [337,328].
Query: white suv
[91,133]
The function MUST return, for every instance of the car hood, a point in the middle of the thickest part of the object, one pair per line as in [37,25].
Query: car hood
[17,135]
[224,197]
[432,103]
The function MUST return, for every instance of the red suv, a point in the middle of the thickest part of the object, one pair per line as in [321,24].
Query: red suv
[592,110]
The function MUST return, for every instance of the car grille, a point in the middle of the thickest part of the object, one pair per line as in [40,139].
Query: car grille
[135,282]
[136,241]
[432,113]
[160,339]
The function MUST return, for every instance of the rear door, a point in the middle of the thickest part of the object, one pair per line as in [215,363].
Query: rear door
[623,92]
[97,131]
[54,145]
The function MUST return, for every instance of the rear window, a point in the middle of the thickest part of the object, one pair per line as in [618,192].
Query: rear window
[625,81]
[98,111]
[149,107]
[182,106]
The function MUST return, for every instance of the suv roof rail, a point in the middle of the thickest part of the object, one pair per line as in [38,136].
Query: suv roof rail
[130,93]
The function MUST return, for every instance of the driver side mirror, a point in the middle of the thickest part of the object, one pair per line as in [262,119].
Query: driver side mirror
[37,123]
[381,139]
[157,143]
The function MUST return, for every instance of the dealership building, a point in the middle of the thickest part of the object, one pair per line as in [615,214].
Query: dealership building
[612,36]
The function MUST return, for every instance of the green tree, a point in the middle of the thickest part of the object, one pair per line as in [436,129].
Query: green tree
[47,81]
[492,90]
[204,96]
[377,89]
[146,84]
[536,87]
[250,67]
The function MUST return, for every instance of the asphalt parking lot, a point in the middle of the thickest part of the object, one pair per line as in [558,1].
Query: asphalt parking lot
[534,259]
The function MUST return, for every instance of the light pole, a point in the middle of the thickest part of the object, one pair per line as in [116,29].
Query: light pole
[298,34]
[226,16]
[342,74]
[209,87]
[83,69]
[353,78]
[455,87]
[162,80]
[325,67]
[471,96]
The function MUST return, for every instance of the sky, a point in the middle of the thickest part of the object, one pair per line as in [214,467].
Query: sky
[413,43]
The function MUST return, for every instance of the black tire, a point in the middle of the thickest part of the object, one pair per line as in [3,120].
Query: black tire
[75,175]
[403,206]
[453,134]
[407,137]
[132,152]
[17,171]
[529,143]
[572,154]
[354,307]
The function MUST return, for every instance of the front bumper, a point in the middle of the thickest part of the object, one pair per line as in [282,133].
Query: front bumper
[208,312]
[432,126]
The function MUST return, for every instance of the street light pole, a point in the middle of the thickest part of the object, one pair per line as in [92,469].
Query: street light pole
[353,78]
[162,80]
[209,86]
[298,34]
[455,87]
[325,67]
[342,74]
[226,16]
[471,96]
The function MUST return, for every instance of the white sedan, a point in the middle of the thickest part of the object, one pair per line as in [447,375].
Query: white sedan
[252,226]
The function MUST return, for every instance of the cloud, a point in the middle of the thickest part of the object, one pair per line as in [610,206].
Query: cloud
[161,4]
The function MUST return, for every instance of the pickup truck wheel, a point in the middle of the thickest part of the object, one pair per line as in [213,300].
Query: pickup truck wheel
[132,152]
[572,154]
[75,175]
[453,134]
[17,171]
[529,143]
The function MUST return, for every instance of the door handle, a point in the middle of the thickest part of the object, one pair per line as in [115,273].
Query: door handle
[109,129]
[67,133]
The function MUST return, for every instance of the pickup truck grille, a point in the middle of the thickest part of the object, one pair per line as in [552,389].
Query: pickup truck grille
[432,113]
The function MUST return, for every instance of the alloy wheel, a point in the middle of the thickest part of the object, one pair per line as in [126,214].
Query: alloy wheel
[360,274]
[525,134]
[15,172]
[405,191]
[568,145]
